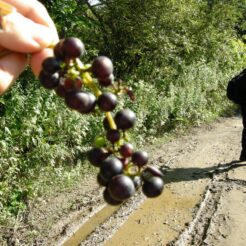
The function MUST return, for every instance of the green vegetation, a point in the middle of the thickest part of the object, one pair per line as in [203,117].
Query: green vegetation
[176,55]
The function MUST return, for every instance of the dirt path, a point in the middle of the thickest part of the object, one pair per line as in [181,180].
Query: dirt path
[204,198]
[203,202]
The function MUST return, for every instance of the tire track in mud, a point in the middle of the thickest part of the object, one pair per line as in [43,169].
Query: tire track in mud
[198,230]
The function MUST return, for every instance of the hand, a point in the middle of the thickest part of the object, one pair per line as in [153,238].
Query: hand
[28,29]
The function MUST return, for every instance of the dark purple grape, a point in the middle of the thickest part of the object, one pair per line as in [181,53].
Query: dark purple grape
[152,171]
[51,65]
[107,101]
[107,81]
[72,48]
[49,81]
[101,181]
[125,119]
[83,102]
[92,103]
[113,135]
[72,84]
[102,67]
[126,150]
[96,156]
[68,85]
[140,158]
[153,187]
[121,187]
[108,199]
[76,100]
[57,50]
[60,91]
[111,167]
[106,124]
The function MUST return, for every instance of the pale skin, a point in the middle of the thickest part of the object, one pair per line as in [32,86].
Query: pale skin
[27,30]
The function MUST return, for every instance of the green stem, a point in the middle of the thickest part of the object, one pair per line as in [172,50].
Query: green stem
[111,122]
[89,82]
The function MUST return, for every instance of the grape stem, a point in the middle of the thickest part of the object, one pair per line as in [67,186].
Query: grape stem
[89,82]
[111,122]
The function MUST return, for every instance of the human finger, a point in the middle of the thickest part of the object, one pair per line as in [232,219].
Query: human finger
[11,66]
[35,11]
[37,59]
[21,34]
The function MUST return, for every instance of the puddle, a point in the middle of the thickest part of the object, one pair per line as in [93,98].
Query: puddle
[159,221]
[88,227]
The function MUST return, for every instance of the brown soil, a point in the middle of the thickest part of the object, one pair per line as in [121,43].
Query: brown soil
[203,202]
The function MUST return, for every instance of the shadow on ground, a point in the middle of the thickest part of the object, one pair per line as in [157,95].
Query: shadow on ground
[172,175]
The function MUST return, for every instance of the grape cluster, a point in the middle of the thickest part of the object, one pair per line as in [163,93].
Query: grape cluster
[87,88]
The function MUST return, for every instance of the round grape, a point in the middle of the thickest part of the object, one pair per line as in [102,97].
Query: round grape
[72,84]
[51,65]
[83,102]
[107,101]
[121,187]
[108,199]
[60,91]
[125,119]
[101,181]
[96,156]
[107,81]
[140,158]
[58,51]
[49,81]
[92,103]
[111,167]
[113,135]
[126,150]
[106,124]
[102,67]
[99,142]
[153,187]
[72,48]
[152,171]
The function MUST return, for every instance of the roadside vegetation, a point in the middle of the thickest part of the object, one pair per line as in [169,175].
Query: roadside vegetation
[176,55]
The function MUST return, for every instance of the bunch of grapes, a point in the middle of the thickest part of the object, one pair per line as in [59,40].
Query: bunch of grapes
[87,88]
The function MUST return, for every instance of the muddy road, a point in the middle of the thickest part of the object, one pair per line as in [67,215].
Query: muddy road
[204,202]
